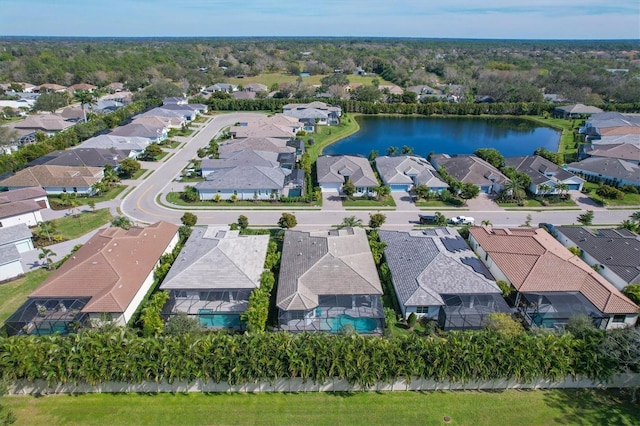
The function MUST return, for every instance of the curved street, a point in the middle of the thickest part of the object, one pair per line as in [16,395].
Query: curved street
[144,203]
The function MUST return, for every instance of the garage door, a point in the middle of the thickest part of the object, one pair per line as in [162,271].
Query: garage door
[330,187]
[399,188]
[574,186]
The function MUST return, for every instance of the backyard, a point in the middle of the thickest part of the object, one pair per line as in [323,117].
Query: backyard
[14,293]
[540,407]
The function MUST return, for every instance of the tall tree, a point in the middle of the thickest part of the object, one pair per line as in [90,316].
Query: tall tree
[85,98]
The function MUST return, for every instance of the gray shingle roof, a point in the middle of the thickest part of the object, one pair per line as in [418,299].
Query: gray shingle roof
[89,157]
[8,254]
[333,169]
[616,249]
[325,263]
[422,268]
[622,151]
[242,158]
[398,170]
[469,168]
[118,142]
[536,167]
[240,178]
[18,207]
[609,167]
[256,144]
[218,258]
[12,234]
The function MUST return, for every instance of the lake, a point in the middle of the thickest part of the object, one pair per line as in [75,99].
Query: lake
[455,135]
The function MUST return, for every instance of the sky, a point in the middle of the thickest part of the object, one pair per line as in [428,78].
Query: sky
[501,19]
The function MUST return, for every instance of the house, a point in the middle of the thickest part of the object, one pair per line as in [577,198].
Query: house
[55,179]
[81,157]
[222,87]
[628,139]
[614,252]
[50,87]
[18,236]
[155,134]
[239,158]
[436,275]
[81,87]
[49,124]
[621,151]
[162,117]
[248,183]
[175,101]
[115,87]
[334,171]
[255,144]
[328,281]
[544,172]
[105,281]
[189,111]
[314,113]
[243,95]
[610,171]
[471,169]
[135,145]
[22,206]
[255,87]
[10,263]
[214,274]
[391,89]
[264,129]
[550,284]
[404,172]
[575,111]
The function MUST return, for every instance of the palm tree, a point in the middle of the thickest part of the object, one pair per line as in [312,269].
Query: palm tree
[515,188]
[85,98]
[45,229]
[350,222]
[486,222]
[544,189]
[47,255]
[562,188]
[636,216]
[110,176]
[381,191]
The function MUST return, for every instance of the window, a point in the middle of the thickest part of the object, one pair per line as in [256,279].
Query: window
[619,318]
[422,309]
[181,294]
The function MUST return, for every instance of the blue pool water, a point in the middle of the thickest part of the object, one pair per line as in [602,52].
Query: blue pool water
[361,325]
[454,135]
[208,319]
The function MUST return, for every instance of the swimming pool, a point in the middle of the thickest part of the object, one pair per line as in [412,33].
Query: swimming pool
[208,319]
[361,325]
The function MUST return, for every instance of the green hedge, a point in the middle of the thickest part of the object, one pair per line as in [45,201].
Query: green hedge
[97,357]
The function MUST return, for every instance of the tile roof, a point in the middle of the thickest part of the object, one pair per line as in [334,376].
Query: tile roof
[616,249]
[11,234]
[242,158]
[333,169]
[400,169]
[121,143]
[534,261]
[218,258]
[141,130]
[54,176]
[110,268]
[579,109]
[47,122]
[18,207]
[469,168]
[423,269]
[325,263]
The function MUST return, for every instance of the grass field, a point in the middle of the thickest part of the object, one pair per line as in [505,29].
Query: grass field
[567,143]
[387,201]
[326,135]
[174,198]
[627,200]
[14,293]
[82,200]
[71,227]
[269,79]
[430,408]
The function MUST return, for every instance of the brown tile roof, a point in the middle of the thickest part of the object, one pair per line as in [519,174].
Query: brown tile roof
[18,207]
[47,122]
[54,176]
[534,261]
[110,268]
[624,130]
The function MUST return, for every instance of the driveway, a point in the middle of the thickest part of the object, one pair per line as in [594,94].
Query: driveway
[404,202]
[331,201]
[484,203]
[584,202]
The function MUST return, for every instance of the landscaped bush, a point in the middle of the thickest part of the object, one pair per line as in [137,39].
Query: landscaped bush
[121,356]
[606,191]
[629,189]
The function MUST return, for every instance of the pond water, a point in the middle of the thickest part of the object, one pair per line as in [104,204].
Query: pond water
[455,135]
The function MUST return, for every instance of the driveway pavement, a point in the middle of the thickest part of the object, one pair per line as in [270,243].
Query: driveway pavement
[584,202]
[484,203]
[331,201]
[404,202]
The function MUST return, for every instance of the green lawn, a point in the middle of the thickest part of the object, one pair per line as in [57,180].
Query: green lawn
[437,204]
[82,200]
[174,198]
[268,79]
[326,135]
[627,200]
[567,143]
[425,408]
[358,202]
[139,174]
[14,293]
[532,202]
[173,144]
[180,132]
[71,227]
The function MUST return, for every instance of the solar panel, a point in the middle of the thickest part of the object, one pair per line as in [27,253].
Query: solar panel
[478,266]
[455,244]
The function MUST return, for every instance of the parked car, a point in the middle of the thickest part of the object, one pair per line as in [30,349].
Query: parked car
[426,219]
[462,220]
